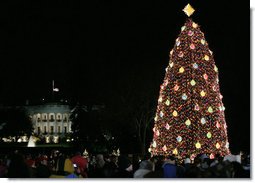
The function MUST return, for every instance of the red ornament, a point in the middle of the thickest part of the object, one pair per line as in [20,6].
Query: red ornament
[176,87]
[218,124]
[180,54]
[190,33]
[197,107]
[192,46]
[205,76]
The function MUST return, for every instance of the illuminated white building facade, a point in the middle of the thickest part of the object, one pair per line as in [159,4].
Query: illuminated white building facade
[51,120]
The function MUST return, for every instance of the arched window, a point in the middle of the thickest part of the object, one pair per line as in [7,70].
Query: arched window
[65,118]
[51,117]
[59,117]
[38,116]
[44,117]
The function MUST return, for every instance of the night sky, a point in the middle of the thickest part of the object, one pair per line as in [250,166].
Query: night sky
[95,50]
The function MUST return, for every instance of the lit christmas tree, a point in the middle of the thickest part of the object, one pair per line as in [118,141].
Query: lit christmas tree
[190,114]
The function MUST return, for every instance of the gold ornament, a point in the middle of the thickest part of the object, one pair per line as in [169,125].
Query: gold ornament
[217,145]
[188,10]
[202,93]
[175,113]
[194,25]
[206,57]
[175,151]
[181,70]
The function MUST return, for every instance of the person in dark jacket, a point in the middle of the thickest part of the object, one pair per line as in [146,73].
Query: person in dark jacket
[125,168]
[18,167]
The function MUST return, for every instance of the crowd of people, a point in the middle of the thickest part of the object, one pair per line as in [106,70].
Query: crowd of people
[58,164]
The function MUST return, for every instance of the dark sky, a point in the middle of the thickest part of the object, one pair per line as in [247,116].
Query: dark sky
[94,50]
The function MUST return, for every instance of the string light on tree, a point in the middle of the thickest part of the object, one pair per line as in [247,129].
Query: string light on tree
[190,115]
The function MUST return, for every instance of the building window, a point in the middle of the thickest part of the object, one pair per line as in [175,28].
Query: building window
[58,129]
[58,117]
[38,117]
[38,130]
[45,129]
[44,117]
[65,117]
[65,129]
[51,117]
[51,129]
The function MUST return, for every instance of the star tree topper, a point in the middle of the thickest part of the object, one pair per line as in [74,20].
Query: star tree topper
[188,10]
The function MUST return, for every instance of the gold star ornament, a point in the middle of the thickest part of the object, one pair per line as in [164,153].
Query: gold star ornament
[188,10]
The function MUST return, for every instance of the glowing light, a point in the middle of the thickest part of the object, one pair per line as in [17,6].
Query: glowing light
[202,41]
[202,93]
[218,124]
[167,102]
[192,82]
[195,66]
[149,150]
[181,70]
[205,76]
[167,126]
[184,96]
[179,139]
[154,144]
[176,87]
[187,122]
[209,135]
[190,33]
[203,121]
[192,46]
[161,114]
[178,42]
[157,133]
[197,107]
[198,145]
[175,151]
[206,57]
[180,54]
[215,68]
[164,148]
[175,113]
[188,10]
[217,145]
[183,28]
[210,110]
[194,25]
